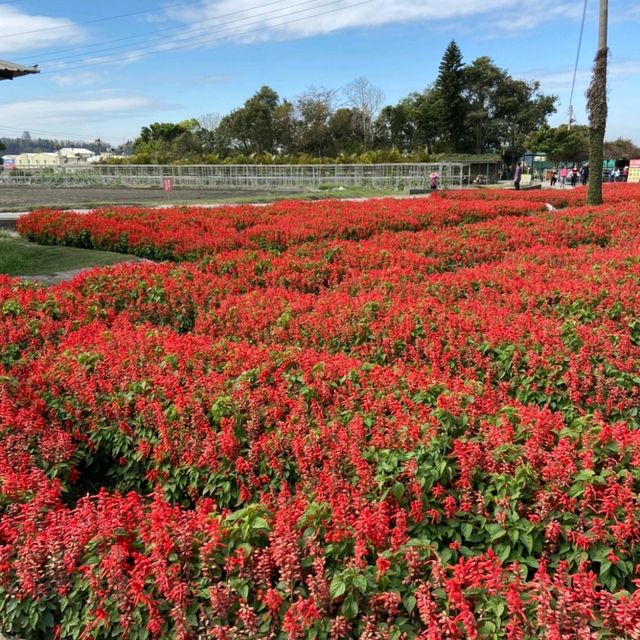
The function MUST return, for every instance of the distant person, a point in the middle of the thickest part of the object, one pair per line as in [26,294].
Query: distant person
[625,173]
[563,176]
[554,177]
[584,174]
[616,174]
[434,179]
[517,176]
[574,175]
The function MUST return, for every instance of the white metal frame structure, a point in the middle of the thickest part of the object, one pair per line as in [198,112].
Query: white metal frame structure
[398,176]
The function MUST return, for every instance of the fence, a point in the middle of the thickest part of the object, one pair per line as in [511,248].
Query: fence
[271,177]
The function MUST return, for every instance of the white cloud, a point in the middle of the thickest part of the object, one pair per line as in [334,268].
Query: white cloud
[252,20]
[23,32]
[204,80]
[560,79]
[624,13]
[77,79]
[65,114]
[519,19]
[623,69]
[207,23]
[211,21]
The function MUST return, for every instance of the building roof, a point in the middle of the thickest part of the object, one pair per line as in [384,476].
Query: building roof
[10,70]
[75,151]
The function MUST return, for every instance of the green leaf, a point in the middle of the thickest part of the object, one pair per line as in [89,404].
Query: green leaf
[260,523]
[527,540]
[46,621]
[361,583]
[243,590]
[495,532]
[350,607]
[584,475]
[409,603]
[600,554]
[503,551]
[337,586]
[397,490]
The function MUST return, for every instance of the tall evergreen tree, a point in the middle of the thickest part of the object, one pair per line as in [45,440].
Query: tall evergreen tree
[451,109]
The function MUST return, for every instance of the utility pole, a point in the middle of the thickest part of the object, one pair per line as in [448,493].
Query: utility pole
[597,108]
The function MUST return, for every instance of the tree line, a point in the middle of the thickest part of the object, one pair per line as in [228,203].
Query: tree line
[570,144]
[27,144]
[469,109]
[475,108]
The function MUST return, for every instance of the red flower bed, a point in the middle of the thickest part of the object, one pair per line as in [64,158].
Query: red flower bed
[425,429]
[189,232]
[614,192]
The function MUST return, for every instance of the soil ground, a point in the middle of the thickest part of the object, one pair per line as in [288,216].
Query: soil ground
[25,198]
[56,278]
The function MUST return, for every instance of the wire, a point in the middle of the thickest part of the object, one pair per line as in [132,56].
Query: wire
[189,36]
[190,41]
[105,19]
[70,136]
[575,68]
[55,52]
[196,42]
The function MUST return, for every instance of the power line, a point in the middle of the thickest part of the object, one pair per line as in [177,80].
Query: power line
[575,68]
[83,48]
[105,19]
[197,41]
[190,40]
[69,136]
[189,36]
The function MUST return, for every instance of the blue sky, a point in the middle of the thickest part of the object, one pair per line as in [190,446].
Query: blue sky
[110,68]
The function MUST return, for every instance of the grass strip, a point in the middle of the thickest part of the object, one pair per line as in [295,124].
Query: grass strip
[18,257]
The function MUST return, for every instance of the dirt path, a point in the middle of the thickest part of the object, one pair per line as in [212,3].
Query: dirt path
[24,198]
[49,279]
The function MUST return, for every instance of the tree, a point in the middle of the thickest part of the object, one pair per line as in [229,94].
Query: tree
[502,111]
[482,79]
[208,124]
[365,100]
[621,149]
[451,110]
[345,138]
[520,110]
[425,111]
[257,120]
[251,129]
[314,110]
[158,131]
[561,144]
[156,142]
[412,125]
[284,127]
[396,127]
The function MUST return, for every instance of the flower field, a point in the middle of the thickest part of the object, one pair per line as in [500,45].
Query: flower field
[386,420]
